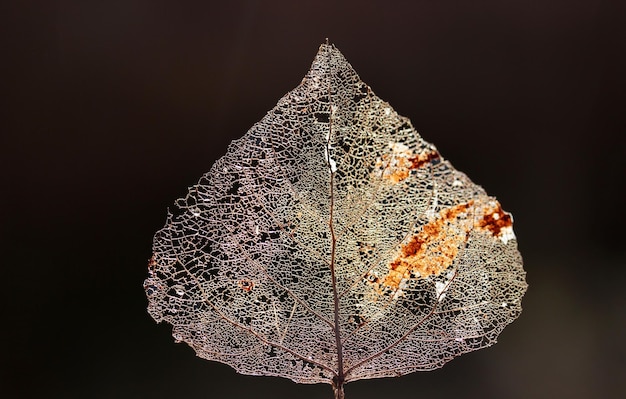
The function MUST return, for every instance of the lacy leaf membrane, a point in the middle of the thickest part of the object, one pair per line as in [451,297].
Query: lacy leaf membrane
[332,243]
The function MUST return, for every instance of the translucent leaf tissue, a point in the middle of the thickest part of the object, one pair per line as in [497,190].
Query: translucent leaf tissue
[332,243]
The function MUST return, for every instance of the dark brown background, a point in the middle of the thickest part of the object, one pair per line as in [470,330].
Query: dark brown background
[112,108]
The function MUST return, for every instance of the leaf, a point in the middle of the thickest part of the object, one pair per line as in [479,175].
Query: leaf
[332,243]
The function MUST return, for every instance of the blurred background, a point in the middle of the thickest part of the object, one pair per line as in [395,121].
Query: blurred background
[113,108]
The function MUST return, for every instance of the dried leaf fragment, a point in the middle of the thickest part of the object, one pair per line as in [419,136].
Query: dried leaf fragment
[332,243]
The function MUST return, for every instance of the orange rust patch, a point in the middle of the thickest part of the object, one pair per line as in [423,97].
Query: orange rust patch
[434,248]
[246,285]
[430,251]
[393,167]
[398,175]
[396,167]
[494,220]
[422,159]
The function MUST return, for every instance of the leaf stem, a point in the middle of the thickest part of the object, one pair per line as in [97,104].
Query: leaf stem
[338,390]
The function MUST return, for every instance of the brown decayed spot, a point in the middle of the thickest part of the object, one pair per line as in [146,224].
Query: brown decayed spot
[422,159]
[434,248]
[494,220]
[246,285]
[397,166]
[430,251]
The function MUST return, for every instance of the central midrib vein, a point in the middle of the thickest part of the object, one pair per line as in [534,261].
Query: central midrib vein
[340,374]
